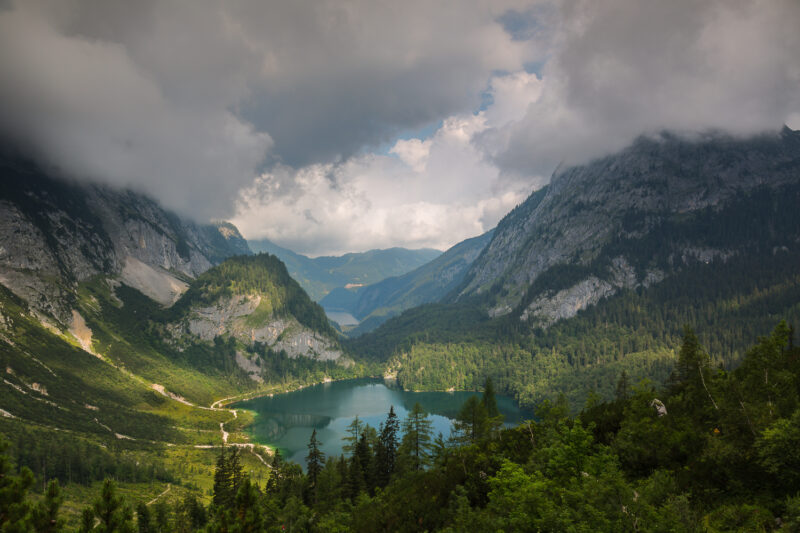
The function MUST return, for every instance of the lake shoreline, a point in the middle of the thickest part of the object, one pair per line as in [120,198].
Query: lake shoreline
[285,421]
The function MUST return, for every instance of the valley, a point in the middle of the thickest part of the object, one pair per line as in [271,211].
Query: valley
[144,348]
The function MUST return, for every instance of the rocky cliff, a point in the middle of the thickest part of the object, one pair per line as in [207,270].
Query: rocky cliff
[628,220]
[55,234]
[254,300]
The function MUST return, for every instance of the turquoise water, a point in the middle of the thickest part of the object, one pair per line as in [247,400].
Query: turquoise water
[287,420]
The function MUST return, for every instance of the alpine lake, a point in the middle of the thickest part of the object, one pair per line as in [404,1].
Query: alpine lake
[285,421]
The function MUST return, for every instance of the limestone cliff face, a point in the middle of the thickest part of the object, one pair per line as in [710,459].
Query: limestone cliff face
[55,234]
[235,316]
[599,227]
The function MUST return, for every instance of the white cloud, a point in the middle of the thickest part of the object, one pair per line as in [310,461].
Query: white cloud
[413,152]
[434,193]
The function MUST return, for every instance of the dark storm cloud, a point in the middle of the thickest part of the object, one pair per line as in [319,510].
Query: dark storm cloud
[190,100]
[620,68]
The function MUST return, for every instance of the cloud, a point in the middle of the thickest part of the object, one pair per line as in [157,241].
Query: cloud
[87,106]
[431,193]
[279,113]
[621,68]
[190,101]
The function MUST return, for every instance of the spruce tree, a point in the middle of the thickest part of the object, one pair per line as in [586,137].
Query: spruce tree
[353,434]
[386,449]
[417,437]
[315,461]
[111,511]
[623,386]
[236,471]
[489,400]
[143,519]
[45,514]
[472,423]
[15,509]
[365,460]
[223,489]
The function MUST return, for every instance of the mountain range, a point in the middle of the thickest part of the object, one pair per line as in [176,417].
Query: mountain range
[124,326]
[599,271]
[374,304]
[320,275]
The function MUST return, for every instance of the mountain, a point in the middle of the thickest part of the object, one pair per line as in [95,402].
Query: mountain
[629,220]
[123,327]
[376,303]
[319,275]
[599,272]
[254,300]
[55,234]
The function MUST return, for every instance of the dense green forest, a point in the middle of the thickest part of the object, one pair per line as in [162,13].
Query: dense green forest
[713,450]
[637,331]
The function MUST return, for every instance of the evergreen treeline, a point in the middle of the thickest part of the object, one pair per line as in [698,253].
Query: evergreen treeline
[715,450]
[51,455]
[439,346]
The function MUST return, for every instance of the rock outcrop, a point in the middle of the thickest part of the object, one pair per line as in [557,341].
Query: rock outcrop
[601,227]
[56,233]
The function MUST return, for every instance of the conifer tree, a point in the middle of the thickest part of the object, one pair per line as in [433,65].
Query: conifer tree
[489,400]
[236,471]
[110,509]
[143,518]
[248,509]
[355,477]
[623,386]
[472,423]
[386,449]
[365,460]
[15,510]
[417,437]
[45,514]
[315,461]
[223,494]
[353,434]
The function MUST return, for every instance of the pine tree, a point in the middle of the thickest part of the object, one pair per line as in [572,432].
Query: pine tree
[45,514]
[236,471]
[417,437]
[386,449]
[489,400]
[15,509]
[248,509]
[223,486]
[315,461]
[355,478]
[623,386]
[365,460]
[472,423]
[353,434]
[111,511]
[143,518]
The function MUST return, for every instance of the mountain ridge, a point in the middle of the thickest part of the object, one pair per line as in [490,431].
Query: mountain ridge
[319,275]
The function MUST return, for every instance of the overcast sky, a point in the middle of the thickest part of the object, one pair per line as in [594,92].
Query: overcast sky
[335,126]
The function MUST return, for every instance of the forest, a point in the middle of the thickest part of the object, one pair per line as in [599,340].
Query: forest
[714,449]
[637,331]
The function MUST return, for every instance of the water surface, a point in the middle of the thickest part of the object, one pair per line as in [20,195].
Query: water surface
[286,420]
[343,318]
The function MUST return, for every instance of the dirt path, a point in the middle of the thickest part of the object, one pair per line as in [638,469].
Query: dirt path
[154,500]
